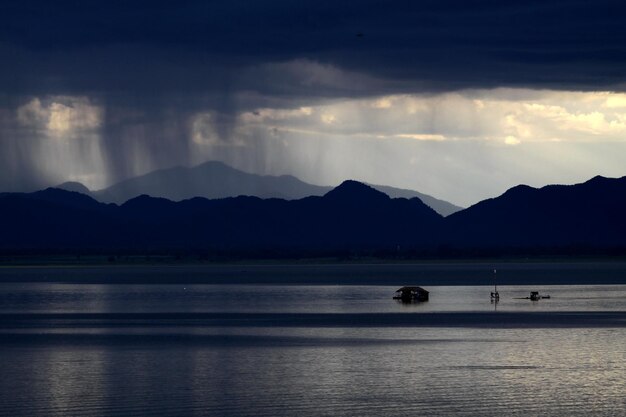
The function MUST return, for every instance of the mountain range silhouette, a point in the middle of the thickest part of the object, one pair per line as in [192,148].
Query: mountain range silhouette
[215,179]
[351,217]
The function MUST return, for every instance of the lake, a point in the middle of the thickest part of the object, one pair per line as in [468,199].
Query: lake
[82,343]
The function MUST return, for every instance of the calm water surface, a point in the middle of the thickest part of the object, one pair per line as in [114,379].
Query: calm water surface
[102,298]
[310,350]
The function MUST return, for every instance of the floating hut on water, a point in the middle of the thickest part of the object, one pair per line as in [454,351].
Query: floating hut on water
[409,294]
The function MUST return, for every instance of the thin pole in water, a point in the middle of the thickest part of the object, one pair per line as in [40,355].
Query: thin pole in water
[494,295]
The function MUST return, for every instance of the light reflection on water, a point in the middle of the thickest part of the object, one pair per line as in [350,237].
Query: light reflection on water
[279,370]
[433,371]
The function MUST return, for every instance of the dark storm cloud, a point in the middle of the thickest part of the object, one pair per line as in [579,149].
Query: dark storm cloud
[199,45]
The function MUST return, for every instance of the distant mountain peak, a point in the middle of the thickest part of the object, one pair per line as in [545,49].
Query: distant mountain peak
[57,195]
[55,191]
[354,190]
[519,190]
[211,165]
[74,186]
[145,198]
[598,179]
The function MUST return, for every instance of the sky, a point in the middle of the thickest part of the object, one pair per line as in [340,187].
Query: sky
[457,99]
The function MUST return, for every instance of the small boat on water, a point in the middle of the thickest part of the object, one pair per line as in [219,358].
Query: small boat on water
[411,294]
[534,296]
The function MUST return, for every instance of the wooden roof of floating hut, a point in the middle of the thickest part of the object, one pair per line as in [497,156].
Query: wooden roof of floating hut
[412,289]
[412,293]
